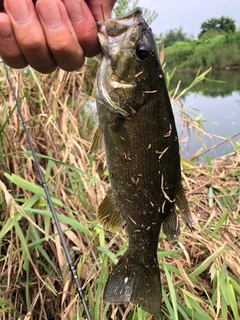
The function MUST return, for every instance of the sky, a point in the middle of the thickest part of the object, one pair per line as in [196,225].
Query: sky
[189,14]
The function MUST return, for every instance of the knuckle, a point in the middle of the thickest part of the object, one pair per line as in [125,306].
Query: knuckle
[32,43]
[69,56]
[62,46]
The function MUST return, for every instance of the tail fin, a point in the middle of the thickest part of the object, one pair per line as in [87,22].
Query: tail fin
[131,281]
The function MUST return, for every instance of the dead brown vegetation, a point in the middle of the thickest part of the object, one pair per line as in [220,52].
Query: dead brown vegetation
[35,282]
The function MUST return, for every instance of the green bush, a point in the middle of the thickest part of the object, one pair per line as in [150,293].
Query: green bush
[218,52]
[212,33]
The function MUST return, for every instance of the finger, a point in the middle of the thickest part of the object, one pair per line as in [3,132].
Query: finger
[84,25]
[60,35]
[29,35]
[10,51]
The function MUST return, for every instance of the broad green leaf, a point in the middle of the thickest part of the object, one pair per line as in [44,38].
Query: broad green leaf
[232,300]
[68,220]
[194,315]
[108,253]
[172,292]
[31,187]
[206,263]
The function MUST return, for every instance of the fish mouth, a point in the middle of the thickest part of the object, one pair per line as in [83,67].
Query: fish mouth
[130,14]
[126,19]
[118,35]
[116,27]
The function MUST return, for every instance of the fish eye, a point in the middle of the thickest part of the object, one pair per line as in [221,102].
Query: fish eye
[142,51]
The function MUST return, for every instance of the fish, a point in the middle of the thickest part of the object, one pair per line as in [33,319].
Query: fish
[137,129]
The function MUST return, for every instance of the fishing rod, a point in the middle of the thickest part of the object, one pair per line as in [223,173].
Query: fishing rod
[49,200]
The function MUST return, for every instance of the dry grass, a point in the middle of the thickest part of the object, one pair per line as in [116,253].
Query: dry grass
[201,271]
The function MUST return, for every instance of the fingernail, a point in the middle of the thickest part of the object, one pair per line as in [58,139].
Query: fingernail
[50,14]
[76,13]
[20,13]
[6,33]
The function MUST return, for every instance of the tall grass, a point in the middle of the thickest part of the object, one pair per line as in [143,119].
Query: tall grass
[200,272]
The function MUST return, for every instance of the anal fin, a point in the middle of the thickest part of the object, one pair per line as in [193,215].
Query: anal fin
[171,226]
[183,206]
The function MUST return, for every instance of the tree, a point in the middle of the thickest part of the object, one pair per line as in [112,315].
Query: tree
[212,33]
[223,24]
[174,35]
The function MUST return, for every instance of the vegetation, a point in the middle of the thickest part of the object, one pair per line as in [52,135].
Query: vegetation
[173,36]
[219,52]
[200,271]
[218,47]
[224,24]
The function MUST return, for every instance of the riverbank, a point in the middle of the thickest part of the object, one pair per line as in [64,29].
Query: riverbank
[220,52]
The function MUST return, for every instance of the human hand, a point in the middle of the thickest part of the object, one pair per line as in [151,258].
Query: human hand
[50,33]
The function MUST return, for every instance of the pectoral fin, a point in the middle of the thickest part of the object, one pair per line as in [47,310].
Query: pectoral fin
[97,143]
[108,212]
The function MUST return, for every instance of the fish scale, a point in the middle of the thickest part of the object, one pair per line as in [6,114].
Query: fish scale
[137,126]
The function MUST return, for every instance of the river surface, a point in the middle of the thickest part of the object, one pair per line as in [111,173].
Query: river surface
[216,106]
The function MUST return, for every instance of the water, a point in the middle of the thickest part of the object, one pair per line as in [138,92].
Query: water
[217,108]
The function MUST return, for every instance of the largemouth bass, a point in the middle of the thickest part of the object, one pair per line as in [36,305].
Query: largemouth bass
[137,125]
